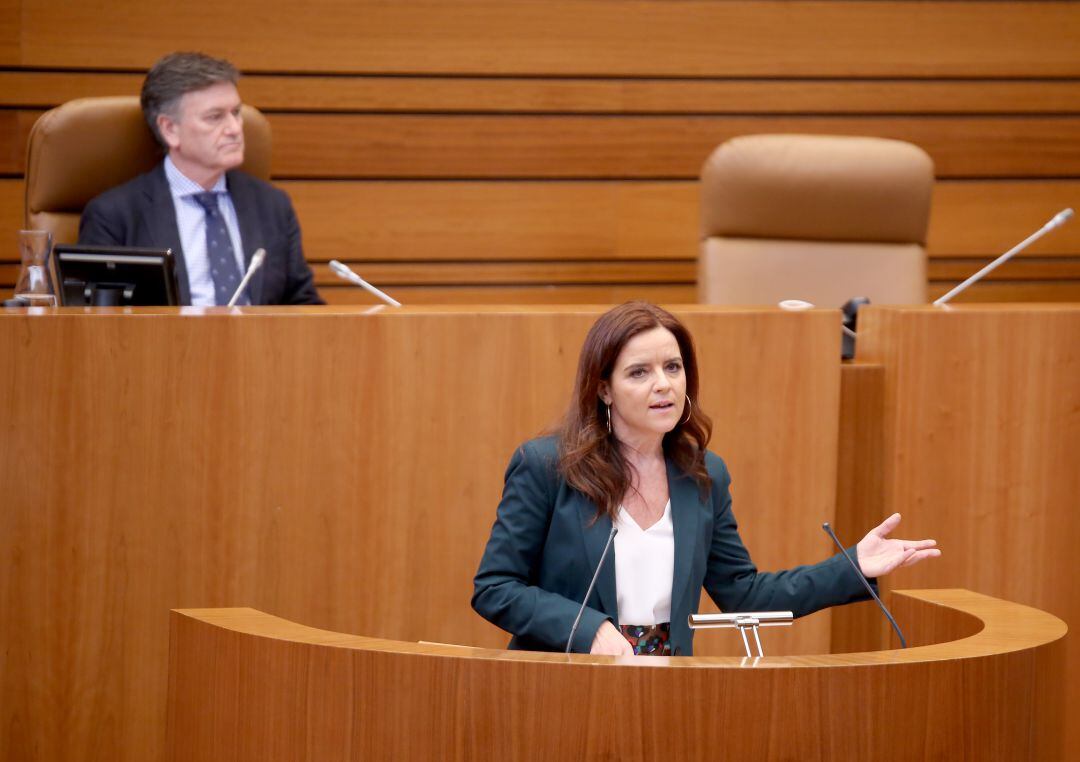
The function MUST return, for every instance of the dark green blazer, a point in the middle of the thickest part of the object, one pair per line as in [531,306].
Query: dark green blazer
[545,546]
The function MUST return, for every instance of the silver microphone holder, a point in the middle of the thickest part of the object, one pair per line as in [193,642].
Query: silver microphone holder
[742,622]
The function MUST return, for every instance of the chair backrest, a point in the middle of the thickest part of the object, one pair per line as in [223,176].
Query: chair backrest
[812,217]
[86,146]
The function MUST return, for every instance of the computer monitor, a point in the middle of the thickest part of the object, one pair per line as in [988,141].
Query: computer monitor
[115,276]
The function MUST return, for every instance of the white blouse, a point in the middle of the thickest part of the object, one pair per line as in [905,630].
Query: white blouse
[644,569]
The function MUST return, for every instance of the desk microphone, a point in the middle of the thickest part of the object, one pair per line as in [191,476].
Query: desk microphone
[256,262]
[1057,221]
[592,584]
[343,272]
[867,585]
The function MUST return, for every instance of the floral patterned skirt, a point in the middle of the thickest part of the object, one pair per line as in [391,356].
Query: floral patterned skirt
[648,640]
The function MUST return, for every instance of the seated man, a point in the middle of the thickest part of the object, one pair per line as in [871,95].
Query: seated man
[213,216]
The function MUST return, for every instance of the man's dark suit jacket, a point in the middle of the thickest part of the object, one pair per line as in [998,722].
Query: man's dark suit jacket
[141,213]
[544,549]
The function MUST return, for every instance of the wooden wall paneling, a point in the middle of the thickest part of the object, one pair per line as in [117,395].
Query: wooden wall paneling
[418,94]
[981,436]
[510,295]
[623,219]
[14,129]
[1010,291]
[1022,268]
[401,227]
[575,146]
[605,37]
[10,32]
[859,495]
[416,220]
[988,217]
[667,147]
[520,273]
[334,468]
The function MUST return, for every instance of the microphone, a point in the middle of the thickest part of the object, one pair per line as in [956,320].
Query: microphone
[867,585]
[343,272]
[1057,221]
[256,262]
[592,584]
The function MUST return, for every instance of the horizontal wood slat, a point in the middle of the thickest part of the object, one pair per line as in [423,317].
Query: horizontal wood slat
[601,37]
[672,272]
[36,89]
[1018,268]
[1012,291]
[640,147]
[492,220]
[578,294]
[622,220]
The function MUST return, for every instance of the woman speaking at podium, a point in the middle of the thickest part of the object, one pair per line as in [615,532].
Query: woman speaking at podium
[629,468]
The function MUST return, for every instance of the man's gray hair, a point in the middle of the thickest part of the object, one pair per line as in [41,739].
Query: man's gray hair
[173,76]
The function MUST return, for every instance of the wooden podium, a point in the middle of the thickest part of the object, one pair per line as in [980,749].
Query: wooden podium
[984,684]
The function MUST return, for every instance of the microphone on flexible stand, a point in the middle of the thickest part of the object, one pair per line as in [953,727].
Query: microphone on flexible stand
[1057,221]
[592,584]
[257,260]
[343,272]
[867,585]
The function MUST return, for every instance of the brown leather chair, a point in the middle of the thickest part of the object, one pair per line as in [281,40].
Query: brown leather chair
[817,218]
[86,146]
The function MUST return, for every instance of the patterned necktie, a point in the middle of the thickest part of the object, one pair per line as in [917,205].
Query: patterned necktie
[219,251]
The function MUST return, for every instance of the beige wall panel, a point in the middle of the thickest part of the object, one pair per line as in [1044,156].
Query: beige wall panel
[479,94]
[603,37]
[338,469]
[981,442]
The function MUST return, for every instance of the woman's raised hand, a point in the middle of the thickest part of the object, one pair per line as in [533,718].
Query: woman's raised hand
[879,555]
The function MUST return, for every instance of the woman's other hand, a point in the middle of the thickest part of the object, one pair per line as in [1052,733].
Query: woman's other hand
[879,555]
[610,642]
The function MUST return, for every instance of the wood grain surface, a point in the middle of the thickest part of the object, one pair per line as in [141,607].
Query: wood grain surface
[981,436]
[602,37]
[254,687]
[328,466]
[614,95]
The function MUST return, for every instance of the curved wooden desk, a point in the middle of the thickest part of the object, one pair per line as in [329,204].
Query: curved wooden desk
[244,685]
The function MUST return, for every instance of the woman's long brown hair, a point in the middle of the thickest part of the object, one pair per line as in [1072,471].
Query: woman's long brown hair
[589,456]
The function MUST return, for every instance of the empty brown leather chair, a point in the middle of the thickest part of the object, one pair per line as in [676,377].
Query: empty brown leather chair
[86,146]
[817,218]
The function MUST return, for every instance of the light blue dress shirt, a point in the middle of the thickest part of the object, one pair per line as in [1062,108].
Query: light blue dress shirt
[191,223]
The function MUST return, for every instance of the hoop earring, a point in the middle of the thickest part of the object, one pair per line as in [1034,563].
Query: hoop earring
[608,418]
[689,411]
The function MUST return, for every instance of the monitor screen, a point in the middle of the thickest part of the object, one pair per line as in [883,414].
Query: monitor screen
[115,276]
